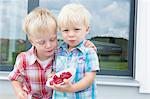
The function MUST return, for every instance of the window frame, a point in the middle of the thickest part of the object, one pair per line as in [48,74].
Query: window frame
[131,42]
[131,46]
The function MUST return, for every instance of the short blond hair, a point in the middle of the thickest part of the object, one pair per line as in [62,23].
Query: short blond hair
[38,20]
[72,14]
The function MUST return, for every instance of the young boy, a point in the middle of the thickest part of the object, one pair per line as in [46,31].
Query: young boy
[32,67]
[74,22]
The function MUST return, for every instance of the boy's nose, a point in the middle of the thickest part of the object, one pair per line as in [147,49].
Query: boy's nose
[71,33]
[48,45]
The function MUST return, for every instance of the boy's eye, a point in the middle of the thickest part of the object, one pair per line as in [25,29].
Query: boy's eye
[41,42]
[65,30]
[77,29]
[51,40]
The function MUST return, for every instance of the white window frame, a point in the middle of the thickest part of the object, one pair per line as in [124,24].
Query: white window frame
[142,71]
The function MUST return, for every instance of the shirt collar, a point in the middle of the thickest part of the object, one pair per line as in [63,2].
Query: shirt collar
[32,56]
[79,47]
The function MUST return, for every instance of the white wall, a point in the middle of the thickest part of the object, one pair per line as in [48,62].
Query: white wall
[6,90]
[104,91]
[120,92]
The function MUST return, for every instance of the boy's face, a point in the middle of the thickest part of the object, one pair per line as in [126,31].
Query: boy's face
[44,44]
[73,35]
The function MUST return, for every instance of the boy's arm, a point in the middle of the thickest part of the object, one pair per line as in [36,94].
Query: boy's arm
[16,77]
[20,93]
[81,85]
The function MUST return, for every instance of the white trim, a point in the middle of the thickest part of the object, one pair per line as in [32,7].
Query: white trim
[4,75]
[100,80]
[116,81]
[142,73]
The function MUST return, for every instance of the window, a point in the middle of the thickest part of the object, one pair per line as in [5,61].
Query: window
[112,31]
[12,39]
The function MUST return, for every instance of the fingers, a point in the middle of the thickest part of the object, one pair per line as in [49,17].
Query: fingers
[95,49]
[57,87]
[22,95]
[66,81]
[63,88]
[89,44]
[49,76]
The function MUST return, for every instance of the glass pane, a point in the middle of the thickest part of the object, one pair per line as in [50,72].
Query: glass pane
[12,38]
[109,29]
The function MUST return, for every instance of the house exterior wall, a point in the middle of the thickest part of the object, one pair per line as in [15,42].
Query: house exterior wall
[104,91]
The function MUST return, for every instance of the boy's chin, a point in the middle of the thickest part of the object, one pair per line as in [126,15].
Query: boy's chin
[50,54]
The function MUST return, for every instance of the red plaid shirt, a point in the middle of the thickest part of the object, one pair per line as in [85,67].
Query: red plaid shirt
[30,73]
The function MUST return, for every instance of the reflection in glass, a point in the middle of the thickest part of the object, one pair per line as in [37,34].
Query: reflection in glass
[12,38]
[109,29]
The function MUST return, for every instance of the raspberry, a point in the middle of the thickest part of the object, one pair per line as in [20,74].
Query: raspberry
[51,83]
[65,75]
[58,80]
[55,77]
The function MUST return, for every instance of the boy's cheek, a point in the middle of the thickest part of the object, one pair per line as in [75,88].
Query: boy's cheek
[56,45]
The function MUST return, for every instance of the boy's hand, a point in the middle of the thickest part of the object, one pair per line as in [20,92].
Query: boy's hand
[22,95]
[89,44]
[50,75]
[66,87]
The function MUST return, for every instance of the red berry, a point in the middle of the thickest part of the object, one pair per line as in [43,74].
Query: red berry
[65,75]
[51,83]
[55,77]
[68,75]
[58,81]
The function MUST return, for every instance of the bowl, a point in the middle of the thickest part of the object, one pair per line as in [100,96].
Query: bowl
[58,78]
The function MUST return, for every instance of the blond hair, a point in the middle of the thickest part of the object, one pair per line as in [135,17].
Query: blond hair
[38,20]
[72,14]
